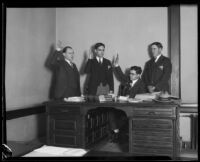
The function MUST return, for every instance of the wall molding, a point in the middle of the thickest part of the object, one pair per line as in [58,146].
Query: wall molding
[37,109]
[188,108]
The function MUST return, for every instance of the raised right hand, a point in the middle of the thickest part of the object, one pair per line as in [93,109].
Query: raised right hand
[59,45]
[116,62]
[90,55]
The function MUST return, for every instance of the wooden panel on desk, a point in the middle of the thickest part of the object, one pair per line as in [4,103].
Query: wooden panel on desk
[68,140]
[140,123]
[153,132]
[155,111]
[65,130]
[63,109]
[152,151]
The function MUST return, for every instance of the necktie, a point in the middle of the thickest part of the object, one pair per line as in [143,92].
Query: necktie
[71,64]
[100,60]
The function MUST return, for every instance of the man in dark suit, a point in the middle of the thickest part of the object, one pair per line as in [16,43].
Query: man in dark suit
[67,82]
[100,72]
[157,71]
[132,85]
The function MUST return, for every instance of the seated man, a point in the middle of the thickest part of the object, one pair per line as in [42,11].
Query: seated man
[133,85]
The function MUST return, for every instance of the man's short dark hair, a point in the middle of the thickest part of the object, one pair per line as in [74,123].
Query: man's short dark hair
[158,44]
[137,69]
[65,48]
[97,45]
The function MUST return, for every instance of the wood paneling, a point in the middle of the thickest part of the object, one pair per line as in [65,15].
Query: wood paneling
[174,48]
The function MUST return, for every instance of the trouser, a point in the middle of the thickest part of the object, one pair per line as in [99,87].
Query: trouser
[117,119]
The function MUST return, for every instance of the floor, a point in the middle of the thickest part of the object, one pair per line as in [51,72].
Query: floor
[104,148]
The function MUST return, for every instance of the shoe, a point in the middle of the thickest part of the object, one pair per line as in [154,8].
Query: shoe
[114,137]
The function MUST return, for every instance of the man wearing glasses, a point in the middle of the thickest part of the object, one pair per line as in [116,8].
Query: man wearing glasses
[132,84]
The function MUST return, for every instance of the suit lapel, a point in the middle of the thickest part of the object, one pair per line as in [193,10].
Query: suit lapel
[159,61]
[67,66]
[136,84]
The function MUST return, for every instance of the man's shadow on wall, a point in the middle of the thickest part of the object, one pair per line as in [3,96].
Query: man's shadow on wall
[52,69]
[150,54]
[83,66]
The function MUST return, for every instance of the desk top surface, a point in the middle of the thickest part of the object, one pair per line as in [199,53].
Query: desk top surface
[102,104]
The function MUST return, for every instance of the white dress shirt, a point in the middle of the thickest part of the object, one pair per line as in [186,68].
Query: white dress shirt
[70,63]
[99,59]
[133,82]
[157,57]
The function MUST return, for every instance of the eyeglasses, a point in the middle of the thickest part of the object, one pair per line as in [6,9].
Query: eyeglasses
[132,74]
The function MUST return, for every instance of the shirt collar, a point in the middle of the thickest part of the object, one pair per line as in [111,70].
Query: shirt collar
[133,82]
[70,63]
[157,57]
[98,59]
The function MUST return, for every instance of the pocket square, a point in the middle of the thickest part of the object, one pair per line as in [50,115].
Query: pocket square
[161,67]
[109,67]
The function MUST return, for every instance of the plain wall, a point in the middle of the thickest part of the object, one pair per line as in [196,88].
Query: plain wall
[189,62]
[189,59]
[126,31]
[30,32]
[26,128]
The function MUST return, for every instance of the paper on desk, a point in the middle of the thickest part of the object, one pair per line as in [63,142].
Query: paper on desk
[146,96]
[74,99]
[61,151]
[123,98]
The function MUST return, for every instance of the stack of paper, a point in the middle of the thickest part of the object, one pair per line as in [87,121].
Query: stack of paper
[59,151]
[74,99]
[123,98]
[134,100]
[105,98]
[146,96]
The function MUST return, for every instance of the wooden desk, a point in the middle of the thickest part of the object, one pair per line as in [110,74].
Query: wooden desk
[153,127]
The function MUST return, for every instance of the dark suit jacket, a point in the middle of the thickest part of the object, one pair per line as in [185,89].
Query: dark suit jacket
[67,78]
[158,74]
[139,86]
[99,74]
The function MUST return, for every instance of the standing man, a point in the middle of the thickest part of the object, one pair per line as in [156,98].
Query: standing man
[67,82]
[100,72]
[157,71]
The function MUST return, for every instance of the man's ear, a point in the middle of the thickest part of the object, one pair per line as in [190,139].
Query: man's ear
[64,54]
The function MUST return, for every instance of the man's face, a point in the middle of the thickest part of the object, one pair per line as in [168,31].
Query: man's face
[155,51]
[100,51]
[133,75]
[69,54]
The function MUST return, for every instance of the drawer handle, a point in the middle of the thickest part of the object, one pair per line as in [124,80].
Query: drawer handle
[151,113]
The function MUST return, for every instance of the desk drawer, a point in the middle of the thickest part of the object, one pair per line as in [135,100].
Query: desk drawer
[150,151]
[152,133]
[155,112]
[68,109]
[151,124]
